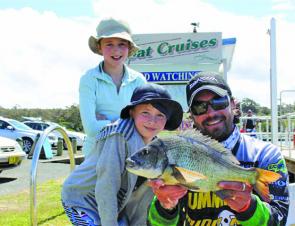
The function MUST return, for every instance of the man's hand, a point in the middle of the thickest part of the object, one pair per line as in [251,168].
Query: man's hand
[236,194]
[168,195]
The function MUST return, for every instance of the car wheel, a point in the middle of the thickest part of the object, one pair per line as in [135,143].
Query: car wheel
[27,144]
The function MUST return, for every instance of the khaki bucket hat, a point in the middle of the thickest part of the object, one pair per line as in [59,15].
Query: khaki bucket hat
[111,28]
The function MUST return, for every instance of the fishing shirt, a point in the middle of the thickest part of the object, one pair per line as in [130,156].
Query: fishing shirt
[98,94]
[102,187]
[206,208]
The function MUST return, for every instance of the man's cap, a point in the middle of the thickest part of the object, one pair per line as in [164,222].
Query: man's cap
[112,28]
[159,97]
[206,80]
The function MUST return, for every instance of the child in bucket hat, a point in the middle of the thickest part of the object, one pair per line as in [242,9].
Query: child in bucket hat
[111,28]
[107,88]
[100,190]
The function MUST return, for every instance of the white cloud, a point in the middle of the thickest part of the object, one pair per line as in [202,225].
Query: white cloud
[43,56]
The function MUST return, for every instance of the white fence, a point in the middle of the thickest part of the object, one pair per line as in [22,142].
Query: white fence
[286,132]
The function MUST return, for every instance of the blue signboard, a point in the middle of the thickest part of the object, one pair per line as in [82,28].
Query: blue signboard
[169,76]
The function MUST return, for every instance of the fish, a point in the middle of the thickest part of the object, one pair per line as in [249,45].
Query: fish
[196,162]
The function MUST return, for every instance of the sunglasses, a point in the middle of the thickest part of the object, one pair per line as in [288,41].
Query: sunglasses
[201,107]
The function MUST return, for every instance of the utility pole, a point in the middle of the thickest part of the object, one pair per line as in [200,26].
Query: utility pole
[273,82]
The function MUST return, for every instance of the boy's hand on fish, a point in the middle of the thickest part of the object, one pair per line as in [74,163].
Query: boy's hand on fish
[236,194]
[168,195]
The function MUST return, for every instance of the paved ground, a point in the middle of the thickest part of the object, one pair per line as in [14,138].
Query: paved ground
[18,179]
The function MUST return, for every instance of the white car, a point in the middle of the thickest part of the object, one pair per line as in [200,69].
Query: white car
[42,125]
[11,154]
[14,129]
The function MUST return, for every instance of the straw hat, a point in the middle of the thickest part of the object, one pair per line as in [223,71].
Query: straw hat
[111,28]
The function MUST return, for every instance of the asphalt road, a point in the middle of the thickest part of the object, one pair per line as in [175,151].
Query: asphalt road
[18,179]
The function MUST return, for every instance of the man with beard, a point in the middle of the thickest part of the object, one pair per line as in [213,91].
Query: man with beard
[212,106]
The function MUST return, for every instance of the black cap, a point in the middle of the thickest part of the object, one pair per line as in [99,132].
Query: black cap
[206,80]
[160,99]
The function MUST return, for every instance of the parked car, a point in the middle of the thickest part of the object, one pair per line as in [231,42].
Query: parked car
[11,154]
[14,129]
[42,125]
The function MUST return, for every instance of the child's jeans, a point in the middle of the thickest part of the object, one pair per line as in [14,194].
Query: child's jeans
[80,218]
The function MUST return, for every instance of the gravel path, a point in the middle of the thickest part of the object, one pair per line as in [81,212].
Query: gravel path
[18,179]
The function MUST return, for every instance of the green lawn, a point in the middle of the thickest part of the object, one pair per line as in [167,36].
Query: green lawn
[15,208]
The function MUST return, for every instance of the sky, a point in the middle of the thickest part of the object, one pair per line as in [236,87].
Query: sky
[44,44]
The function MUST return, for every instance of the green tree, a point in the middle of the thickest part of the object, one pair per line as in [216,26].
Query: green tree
[247,104]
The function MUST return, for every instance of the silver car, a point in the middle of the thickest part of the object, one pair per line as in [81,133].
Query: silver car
[11,154]
[14,129]
[42,125]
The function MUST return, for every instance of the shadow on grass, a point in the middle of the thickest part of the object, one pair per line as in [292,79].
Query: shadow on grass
[51,218]
[6,179]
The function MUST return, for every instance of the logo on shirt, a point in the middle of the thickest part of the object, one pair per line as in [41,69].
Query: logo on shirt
[280,166]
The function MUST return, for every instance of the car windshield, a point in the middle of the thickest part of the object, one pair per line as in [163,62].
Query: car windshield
[19,125]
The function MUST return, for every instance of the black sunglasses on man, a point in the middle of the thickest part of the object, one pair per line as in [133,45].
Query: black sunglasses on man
[201,107]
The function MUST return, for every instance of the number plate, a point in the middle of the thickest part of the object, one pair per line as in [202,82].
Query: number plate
[13,159]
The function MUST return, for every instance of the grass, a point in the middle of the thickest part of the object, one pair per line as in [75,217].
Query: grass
[15,208]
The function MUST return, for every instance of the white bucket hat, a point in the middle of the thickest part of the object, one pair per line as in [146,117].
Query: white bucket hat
[111,28]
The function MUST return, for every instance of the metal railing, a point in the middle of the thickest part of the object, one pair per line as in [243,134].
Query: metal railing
[37,147]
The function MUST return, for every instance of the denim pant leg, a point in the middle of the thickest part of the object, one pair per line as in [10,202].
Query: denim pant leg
[78,218]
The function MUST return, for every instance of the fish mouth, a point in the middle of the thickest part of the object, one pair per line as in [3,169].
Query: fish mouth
[130,164]
[133,164]
[139,169]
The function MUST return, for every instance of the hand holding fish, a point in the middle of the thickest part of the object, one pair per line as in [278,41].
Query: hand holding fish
[168,195]
[236,194]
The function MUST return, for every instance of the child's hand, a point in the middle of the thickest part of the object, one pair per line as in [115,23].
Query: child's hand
[168,195]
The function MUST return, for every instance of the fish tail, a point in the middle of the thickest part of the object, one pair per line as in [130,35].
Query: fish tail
[264,178]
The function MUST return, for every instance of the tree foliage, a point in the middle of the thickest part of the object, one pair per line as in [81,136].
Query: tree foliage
[68,117]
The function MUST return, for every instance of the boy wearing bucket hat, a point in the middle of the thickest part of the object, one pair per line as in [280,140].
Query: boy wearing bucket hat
[101,191]
[107,88]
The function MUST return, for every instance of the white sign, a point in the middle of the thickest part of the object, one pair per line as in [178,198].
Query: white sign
[179,48]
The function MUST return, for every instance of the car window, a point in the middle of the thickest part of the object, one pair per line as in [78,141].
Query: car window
[19,125]
[28,124]
[3,124]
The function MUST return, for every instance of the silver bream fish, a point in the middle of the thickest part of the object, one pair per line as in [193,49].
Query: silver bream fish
[196,162]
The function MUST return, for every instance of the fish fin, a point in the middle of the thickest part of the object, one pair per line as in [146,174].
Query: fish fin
[189,176]
[264,178]
[194,137]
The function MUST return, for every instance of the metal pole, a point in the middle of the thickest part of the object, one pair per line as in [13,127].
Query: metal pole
[273,82]
[36,154]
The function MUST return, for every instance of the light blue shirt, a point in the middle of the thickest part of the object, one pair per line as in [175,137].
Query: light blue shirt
[98,94]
